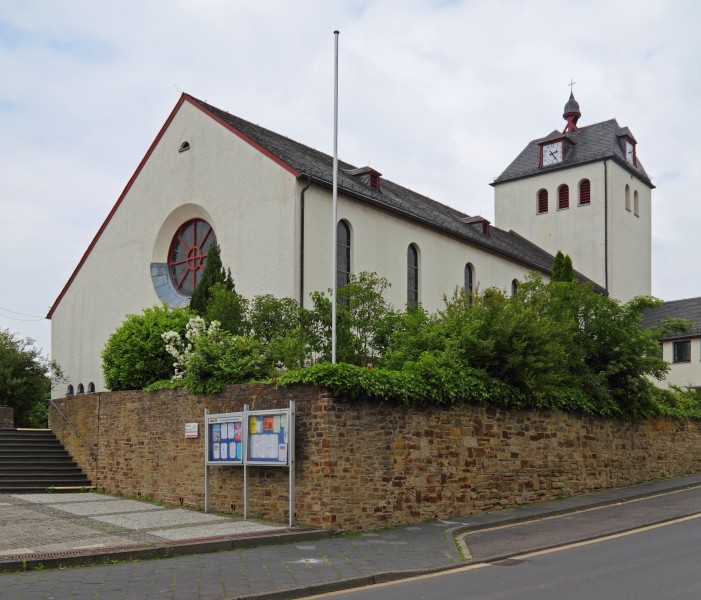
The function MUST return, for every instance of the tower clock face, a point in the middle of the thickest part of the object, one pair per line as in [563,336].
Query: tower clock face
[552,154]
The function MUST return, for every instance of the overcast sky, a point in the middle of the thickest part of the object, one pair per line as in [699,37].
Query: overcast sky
[437,95]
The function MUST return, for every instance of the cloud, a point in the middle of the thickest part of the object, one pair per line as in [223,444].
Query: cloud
[438,96]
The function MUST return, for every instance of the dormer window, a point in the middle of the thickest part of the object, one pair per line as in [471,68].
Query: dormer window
[367,176]
[478,224]
[630,152]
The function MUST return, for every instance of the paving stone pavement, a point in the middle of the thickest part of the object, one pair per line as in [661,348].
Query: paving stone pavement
[288,570]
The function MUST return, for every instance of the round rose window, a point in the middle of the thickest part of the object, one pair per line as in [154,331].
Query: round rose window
[188,254]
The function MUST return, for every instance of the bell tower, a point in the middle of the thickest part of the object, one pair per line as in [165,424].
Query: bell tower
[584,191]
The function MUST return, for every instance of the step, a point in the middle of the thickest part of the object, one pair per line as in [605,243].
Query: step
[24,459]
[42,443]
[19,489]
[32,451]
[32,467]
[41,476]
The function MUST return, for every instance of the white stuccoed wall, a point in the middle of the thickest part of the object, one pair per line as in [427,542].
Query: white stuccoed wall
[247,198]
[579,231]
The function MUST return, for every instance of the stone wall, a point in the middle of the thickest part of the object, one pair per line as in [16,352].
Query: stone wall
[363,466]
[7,417]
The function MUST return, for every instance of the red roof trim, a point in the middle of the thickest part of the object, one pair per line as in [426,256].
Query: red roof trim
[183,98]
[242,135]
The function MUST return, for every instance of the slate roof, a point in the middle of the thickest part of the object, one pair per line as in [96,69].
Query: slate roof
[390,196]
[590,143]
[689,308]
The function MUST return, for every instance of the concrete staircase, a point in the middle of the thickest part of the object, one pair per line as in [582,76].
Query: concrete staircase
[34,461]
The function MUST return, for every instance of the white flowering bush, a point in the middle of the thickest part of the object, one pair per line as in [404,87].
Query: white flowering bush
[182,350]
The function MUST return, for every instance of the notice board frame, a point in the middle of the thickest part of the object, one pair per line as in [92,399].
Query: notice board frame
[245,462]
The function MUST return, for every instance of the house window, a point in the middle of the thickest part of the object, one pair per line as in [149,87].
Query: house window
[584,192]
[514,287]
[343,254]
[636,204]
[412,274]
[682,351]
[563,197]
[542,201]
[469,281]
[627,197]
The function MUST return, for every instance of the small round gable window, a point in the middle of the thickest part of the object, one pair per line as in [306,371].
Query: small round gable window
[188,254]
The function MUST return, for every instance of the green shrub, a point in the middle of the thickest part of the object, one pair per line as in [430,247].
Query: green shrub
[134,355]
[225,359]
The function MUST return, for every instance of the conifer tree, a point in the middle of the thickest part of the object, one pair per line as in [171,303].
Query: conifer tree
[212,274]
[562,268]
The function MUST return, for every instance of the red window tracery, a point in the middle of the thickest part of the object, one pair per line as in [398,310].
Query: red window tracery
[188,254]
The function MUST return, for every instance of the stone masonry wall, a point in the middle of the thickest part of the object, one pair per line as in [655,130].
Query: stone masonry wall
[7,417]
[363,466]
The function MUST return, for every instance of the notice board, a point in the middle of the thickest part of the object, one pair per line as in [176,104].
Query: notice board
[225,439]
[268,437]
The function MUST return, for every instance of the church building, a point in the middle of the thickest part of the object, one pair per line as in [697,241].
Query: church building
[266,200]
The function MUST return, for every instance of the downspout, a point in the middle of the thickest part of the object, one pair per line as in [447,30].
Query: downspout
[301,241]
[606,227]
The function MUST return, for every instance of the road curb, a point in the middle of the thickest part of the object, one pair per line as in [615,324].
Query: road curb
[54,560]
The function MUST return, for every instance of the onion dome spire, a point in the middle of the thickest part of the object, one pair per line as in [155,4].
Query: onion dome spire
[571,114]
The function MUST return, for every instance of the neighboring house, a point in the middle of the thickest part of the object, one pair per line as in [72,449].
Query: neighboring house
[682,351]
[266,199]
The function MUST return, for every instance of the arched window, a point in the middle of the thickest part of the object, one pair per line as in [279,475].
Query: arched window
[542,201]
[91,388]
[584,192]
[514,287]
[636,204]
[469,281]
[343,254]
[563,197]
[69,391]
[627,197]
[81,389]
[412,274]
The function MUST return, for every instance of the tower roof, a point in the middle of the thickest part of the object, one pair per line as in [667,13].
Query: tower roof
[592,143]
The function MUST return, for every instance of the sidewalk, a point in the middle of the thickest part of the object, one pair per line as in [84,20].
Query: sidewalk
[62,529]
[287,570]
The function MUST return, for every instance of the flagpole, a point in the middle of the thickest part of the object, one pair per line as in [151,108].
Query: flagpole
[335,199]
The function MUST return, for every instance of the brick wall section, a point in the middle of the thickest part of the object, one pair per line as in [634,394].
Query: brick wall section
[7,417]
[363,466]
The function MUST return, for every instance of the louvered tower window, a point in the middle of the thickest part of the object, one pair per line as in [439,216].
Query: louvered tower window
[584,192]
[542,201]
[563,197]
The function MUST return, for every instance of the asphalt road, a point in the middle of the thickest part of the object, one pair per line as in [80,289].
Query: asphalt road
[659,563]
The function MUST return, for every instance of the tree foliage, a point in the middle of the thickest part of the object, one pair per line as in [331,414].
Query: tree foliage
[134,355]
[562,268]
[25,379]
[213,273]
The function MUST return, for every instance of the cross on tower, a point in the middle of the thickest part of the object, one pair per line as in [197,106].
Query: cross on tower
[571,83]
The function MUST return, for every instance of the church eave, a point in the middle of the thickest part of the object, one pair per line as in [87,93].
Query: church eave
[483,244]
[562,167]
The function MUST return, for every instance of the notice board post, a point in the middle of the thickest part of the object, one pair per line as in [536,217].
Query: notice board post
[252,437]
